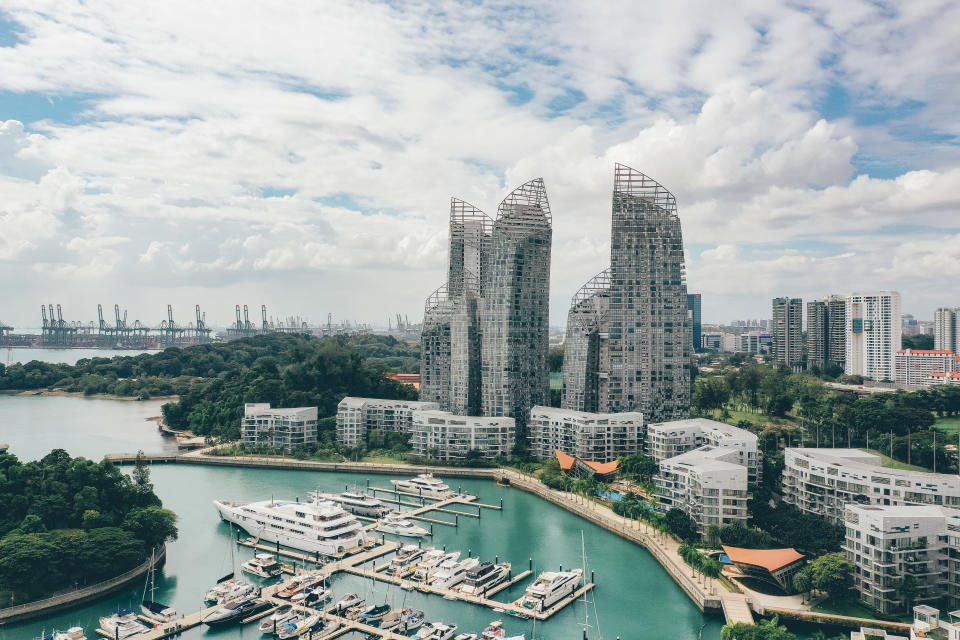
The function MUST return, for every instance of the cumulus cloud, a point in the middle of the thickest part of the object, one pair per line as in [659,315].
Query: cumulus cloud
[305,154]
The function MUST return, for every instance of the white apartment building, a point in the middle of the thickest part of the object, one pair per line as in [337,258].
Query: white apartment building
[943,378]
[708,483]
[670,439]
[946,329]
[281,428]
[756,342]
[598,437]
[873,333]
[357,416]
[452,436]
[912,366]
[824,481]
[886,544]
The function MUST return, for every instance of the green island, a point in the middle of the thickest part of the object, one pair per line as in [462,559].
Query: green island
[62,516]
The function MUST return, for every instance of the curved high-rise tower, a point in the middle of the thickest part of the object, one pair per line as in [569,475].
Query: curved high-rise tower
[515,311]
[641,344]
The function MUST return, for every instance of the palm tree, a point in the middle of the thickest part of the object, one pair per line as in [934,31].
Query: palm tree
[713,535]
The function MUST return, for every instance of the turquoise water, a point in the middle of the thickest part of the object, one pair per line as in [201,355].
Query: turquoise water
[635,598]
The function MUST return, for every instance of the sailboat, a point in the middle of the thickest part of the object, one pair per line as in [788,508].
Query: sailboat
[586,602]
[152,609]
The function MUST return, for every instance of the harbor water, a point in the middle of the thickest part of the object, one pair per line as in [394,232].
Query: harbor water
[635,598]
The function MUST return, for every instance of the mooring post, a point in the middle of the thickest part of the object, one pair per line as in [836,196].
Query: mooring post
[501,504]
[469,553]
[592,580]
[431,528]
[531,564]
[456,521]
[496,559]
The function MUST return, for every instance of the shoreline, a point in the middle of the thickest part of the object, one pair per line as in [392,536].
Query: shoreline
[60,393]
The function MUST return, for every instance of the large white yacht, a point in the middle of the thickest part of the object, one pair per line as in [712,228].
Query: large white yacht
[396,524]
[549,588]
[320,526]
[424,485]
[451,573]
[484,576]
[355,502]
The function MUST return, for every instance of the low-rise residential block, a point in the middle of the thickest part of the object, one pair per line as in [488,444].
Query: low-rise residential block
[581,434]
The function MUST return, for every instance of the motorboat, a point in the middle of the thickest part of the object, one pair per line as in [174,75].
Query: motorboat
[312,596]
[296,584]
[236,611]
[493,631]
[424,485]
[451,573]
[73,633]
[466,636]
[484,576]
[320,527]
[436,631]
[396,524]
[393,619]
[549,588]
[430,562]
[414,620]
[346,602]
[263,565]
[277,619]
[228,591]
[355,502]
[299,626]
[374,613]
[405,558]
[122,624]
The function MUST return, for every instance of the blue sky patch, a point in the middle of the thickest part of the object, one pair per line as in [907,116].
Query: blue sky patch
[30,107]
[8,31]
[518,94]
[568,100]
[276,192]
[354,202]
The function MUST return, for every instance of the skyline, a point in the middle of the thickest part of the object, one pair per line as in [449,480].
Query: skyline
[183,157]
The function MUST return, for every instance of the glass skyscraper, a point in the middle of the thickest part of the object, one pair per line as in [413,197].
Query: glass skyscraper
[628,339]
[493,310]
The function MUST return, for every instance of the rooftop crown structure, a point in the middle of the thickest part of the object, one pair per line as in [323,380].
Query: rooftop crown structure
[627,342]
[494,310]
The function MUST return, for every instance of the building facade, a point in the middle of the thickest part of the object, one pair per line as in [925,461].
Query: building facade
[447,436]
[284,429]
[358,416]
[788,331]
[946,329]
[756,342]
[708,484]
[630,323]
[667,440]
[694,318]
[873,334]
[914,367]
[886,544]
[599,437]
[824,481]
[943,378]
[817,332]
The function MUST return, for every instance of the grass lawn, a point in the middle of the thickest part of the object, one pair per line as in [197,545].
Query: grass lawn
[856,609]
[890,463]
[383,459]
[948,425]
[756,418]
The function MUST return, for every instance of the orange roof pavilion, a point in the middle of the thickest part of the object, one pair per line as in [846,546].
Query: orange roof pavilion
[769,559]
[568,463]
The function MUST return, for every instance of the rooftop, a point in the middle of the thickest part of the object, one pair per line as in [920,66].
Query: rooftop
[769,559]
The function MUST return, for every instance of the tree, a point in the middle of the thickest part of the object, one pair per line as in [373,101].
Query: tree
[153,525]
[680,524]
[710,393]
[803,580]
[764,630]
[833,574]
[907,591]
[713,535]
[141,479]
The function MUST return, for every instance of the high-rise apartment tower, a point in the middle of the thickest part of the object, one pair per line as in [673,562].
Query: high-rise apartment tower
[787,331]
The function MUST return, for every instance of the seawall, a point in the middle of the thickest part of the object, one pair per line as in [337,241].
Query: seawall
[67,601]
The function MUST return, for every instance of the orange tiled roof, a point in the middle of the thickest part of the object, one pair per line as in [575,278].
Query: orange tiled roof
[770,559]
[936,351]
[566,462]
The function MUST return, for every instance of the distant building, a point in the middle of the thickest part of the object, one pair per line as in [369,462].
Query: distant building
[817,327]
[357,416]
[823,481]
[913,367]
[788,331]
[943,378]
[694,318]
[284,429]
[597,437]
[873,334]
[711,341]
[452,437]
[708,484]
[756,342]
[946,329]
[670,439]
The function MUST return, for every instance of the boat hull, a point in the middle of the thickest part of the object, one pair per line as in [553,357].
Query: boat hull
[323,547]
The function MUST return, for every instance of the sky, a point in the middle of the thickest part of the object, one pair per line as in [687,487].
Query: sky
[302,154]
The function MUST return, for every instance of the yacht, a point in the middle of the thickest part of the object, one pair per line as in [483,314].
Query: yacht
[466,636]
[346,602]
[431,561]
[405,558]
[228,591]
[483,577]
[493,631]
[374,613]
[311,596]
[355,502]
[73,633]
[263,565]
[436,631]
[321,526]
[122,624]
[549,588]
[451,573]
[396,524]
[424,485]
[273,622]
[236,611]
[299,626]
[296,584]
